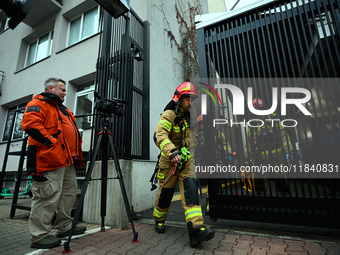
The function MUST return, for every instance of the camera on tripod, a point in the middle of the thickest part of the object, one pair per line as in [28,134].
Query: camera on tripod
[105,105]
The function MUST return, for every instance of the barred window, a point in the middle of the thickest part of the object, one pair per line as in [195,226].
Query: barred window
[15,116]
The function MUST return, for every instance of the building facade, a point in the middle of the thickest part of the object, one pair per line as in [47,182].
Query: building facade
[63,39]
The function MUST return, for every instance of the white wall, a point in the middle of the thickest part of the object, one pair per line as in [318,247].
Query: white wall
[165,72]
[136,175]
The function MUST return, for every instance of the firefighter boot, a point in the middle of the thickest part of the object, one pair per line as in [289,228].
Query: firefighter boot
[160,229]
[199,234]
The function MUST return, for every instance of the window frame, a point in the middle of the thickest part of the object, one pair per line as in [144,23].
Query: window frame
[83,93]
[6,24]
[9,109]
[80,35]
[49,48]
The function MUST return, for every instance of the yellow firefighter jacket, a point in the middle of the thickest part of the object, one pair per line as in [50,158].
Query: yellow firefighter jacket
[168,134]
[275,144]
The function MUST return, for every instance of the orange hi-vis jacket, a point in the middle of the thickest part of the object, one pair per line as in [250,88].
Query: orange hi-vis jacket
[47,147]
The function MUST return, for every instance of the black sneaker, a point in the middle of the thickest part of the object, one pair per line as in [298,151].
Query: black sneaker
[200,234]
[78,230]
[160,228]
[47,242]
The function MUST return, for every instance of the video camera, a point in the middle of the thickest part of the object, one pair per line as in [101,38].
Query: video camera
[105,105]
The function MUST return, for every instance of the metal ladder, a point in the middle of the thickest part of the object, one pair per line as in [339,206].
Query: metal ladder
[22,154]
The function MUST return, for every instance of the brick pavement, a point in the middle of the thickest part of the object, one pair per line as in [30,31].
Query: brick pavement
[176,241]
[15,240]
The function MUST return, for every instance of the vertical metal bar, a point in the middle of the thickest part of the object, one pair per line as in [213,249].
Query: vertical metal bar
[285,72]
[294,46]
[279,34]
[329,57]
[310,61]
[146,90]
[303,65]
[245,75]
[232,73]
[330,52]
[19,175]
[202,55]
[335,43]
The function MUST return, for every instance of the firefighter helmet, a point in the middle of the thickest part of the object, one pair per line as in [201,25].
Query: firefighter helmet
[186,88]
[258,103]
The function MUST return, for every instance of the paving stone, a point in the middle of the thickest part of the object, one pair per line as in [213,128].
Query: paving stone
[243,244]
[142,248]
[274,253]
[238,251]
[314,248]
[85,250]
[230,238]
[224,247]
[258,250]
[246,237]
[170,251]
[298,253]
[296,246]
[222,253]
[277,241]
[332,249]
[260,242]
[175,241]
[131,253]
[278,248]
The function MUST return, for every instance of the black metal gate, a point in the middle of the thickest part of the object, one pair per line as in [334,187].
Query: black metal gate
[280,41]
[122,73]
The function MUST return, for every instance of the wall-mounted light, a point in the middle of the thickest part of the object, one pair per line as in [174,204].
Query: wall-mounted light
[137,53]
[115,7]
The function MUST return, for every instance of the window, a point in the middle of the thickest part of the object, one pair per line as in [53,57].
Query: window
[3,24]
[84,106]
[84,26]
[39,49]
[17,132]
[328,27]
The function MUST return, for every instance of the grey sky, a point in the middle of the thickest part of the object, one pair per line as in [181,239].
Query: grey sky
[242,3]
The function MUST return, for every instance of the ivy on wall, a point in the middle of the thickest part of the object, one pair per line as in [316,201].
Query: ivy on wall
[187,43]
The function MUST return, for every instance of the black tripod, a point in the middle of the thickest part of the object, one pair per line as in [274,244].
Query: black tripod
[104,139]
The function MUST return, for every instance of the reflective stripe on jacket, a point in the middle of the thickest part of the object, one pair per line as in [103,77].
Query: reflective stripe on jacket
[269,149]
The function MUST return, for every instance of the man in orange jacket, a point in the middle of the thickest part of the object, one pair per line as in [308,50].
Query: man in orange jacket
[54,150]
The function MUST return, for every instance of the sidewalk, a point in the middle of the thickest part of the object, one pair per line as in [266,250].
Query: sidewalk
[15,240]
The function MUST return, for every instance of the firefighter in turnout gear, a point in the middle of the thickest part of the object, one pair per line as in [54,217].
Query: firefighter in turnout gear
[268,144]
[172,136]
[223,148]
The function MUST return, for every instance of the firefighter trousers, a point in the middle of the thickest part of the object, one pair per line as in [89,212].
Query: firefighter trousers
[188,189]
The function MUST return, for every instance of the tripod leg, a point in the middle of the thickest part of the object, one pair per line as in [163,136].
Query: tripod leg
[122,187]
[103,199]
[82,195]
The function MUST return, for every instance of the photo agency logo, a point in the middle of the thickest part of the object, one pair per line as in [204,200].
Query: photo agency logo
[301,96]
[266,128]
